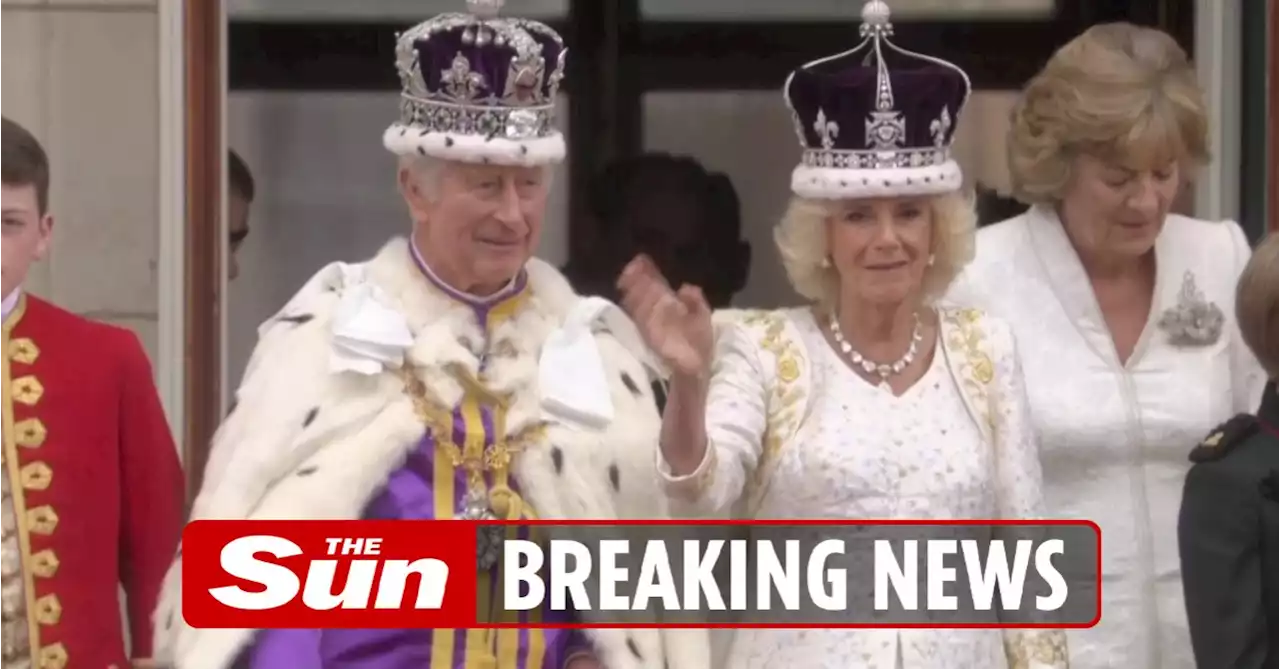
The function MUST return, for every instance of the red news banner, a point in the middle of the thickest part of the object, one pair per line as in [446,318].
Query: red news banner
[458,574]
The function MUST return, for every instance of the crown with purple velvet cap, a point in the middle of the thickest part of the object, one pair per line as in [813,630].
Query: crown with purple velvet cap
[479,88]
[877,120]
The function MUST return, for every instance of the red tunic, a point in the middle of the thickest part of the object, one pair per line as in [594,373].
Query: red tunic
[96,483]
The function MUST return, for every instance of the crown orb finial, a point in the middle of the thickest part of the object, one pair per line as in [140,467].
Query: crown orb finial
[485,9]
[876,13]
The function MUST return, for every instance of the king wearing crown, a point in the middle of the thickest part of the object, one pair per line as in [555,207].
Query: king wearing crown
[452,376]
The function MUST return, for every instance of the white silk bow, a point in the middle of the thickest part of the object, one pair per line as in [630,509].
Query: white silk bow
[571,374]
[368,335]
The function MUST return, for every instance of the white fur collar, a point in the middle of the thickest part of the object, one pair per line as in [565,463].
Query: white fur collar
[307,443]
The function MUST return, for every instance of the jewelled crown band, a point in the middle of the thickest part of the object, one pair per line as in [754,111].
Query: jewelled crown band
[876,120]
[479,88]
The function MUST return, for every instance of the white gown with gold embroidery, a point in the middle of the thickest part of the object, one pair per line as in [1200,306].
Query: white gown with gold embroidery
[846,449]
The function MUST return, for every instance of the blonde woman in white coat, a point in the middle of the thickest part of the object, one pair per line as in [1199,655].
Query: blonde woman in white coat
[1123,314]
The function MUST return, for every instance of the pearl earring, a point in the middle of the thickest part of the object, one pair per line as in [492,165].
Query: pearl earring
[826,263]
[932,258]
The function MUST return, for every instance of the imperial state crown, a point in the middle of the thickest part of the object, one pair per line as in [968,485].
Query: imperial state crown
[877,120]
[479,88]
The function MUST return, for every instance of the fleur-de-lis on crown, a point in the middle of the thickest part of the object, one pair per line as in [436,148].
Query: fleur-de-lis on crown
[939,128]
[827,130]
[460,81]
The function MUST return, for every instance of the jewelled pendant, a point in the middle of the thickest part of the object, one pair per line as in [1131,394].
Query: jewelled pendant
[488,546]
[475,506]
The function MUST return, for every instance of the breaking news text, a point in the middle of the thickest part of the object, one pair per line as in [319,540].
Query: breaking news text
[454,574]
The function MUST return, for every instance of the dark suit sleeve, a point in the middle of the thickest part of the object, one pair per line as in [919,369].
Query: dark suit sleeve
[1218,540]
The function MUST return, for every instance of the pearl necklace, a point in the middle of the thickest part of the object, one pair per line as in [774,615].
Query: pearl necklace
[884,371]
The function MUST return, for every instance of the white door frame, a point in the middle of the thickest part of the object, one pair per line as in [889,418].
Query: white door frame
[171,264]
[1218,69]
[186,237]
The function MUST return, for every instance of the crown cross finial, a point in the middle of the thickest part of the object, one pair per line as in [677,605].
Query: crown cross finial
[886,130]
[485,9]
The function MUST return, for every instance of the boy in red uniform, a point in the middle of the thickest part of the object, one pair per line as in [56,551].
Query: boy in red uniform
[92,492]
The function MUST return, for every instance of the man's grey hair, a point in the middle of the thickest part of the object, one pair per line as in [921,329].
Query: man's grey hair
[426,172]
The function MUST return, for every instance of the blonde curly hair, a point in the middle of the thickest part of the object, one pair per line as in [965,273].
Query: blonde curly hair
[1118,92]
[801,237]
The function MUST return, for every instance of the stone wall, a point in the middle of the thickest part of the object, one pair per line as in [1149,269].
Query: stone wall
[83,77]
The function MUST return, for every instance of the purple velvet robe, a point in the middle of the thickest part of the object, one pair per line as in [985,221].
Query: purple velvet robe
[428,487]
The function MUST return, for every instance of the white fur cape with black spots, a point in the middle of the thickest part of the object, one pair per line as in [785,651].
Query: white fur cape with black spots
[350,430]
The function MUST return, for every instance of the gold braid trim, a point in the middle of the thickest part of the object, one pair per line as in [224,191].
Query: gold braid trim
[472,455]
[966,337]
[786,402]
[1026,649]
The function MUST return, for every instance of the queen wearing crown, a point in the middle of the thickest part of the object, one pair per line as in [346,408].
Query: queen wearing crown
[452,376]
[872,402]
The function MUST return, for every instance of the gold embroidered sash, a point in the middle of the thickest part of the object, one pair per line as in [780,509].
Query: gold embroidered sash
[788,380]
[968,352]
[472,455]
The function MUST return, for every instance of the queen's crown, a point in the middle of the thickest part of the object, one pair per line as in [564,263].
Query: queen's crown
[876,106]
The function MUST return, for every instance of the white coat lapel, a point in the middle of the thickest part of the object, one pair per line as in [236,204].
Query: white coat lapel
[1070,284]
